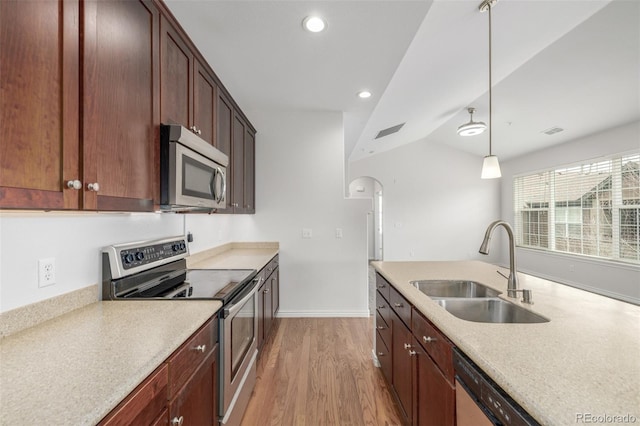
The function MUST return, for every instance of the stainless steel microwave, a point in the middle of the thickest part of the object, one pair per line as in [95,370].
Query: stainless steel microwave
[192,171]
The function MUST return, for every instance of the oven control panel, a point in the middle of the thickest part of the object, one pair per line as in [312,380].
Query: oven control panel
[131,258]
[145,255]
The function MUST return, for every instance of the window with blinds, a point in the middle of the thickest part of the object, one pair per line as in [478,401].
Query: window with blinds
[591,209]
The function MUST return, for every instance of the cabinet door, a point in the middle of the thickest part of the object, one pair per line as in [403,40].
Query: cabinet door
[249,196]
[39,104]
[275,292]
[120,104]
[401,359]
[204,100]
[176,71]
[237,165]
[196,402]
[435,396]
[224,130]
[261,297]
[268,307]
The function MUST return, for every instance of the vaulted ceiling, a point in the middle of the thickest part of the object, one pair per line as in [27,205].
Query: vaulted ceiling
[563,63]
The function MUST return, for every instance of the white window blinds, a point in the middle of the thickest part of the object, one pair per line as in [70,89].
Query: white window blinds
[590,209]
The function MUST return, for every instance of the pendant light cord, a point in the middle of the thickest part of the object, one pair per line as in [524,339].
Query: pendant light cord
[490,106]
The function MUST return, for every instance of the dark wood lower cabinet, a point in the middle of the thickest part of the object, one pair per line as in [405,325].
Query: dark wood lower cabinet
[416,360]
[195,403]
[434,395]
[268,301]
[402,368]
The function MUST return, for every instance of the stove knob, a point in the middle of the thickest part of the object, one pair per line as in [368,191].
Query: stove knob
[139,255]
[175,247]
[182,246]
[128,258]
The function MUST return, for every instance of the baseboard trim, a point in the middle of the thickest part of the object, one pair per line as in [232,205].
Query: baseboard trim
[322,314]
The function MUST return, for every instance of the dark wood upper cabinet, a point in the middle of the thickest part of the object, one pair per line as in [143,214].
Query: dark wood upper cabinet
[39,104]
[175,73]
[249,196]
[120,104]
[85,86]
[204,103]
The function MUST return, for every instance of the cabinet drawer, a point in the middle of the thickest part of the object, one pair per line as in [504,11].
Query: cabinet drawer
[190,355]
[382,307]
[384,329]
[400,306]
[383,286]
[384,357]
[434,342]
[144,404]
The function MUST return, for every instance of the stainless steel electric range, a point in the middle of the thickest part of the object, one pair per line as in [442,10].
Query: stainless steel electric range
[157,270]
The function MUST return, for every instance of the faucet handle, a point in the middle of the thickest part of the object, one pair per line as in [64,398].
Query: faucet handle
[527,296]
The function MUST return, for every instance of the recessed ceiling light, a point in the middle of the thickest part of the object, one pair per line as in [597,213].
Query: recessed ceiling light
[315,24]
[364,94]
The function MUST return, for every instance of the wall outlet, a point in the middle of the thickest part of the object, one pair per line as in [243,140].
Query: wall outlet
[338,232]
[46,272]
[307,233]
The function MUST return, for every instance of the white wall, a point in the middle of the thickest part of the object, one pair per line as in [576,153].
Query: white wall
[75,241]
[299,184]
[609,278]
[435,206]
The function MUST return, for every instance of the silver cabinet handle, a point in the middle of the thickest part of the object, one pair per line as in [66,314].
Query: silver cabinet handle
[381,307]
[382,286]
[428,339]
[412,353]
[200,348]
[95,187]
[177,421]
[398,305]
[266,291]
[195,130]
[407,345]
[74,184]
[381,354]
[379,327]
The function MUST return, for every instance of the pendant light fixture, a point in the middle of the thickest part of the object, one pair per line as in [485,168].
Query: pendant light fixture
[490,166]
[471,128]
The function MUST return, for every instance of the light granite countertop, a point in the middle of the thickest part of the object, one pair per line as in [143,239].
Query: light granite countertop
[76,368]
[585,361]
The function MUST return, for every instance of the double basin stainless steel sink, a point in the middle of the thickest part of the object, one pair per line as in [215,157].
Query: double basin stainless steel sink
[472,301]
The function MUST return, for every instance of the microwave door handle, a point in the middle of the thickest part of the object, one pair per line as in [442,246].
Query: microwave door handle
[224,185]
[233,309]
[212,185]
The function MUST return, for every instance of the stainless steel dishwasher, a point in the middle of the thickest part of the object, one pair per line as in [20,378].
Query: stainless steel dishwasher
[480,401]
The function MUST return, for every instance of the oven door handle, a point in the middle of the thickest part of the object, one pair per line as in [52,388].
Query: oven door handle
[235,307]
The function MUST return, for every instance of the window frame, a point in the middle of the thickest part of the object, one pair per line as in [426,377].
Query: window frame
[602,246]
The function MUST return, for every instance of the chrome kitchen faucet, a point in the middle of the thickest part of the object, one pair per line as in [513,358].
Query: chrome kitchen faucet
[512,280]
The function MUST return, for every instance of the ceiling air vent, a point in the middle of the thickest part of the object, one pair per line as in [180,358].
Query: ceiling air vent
[552,130]
[389,131]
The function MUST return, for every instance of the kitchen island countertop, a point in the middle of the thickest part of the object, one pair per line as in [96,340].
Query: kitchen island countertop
[584,363]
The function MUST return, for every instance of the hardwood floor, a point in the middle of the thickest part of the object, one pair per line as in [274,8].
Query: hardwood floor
[318,371]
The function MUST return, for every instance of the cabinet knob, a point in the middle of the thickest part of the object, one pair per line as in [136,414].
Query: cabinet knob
[428,339]
[381,286]
[200,348]
[195,130]
[266,291]
[381,354]
[177,421]
[407,345]
[398,305]
[379,327]
[412,353]
[95,187]
[381,307]
[74,184]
